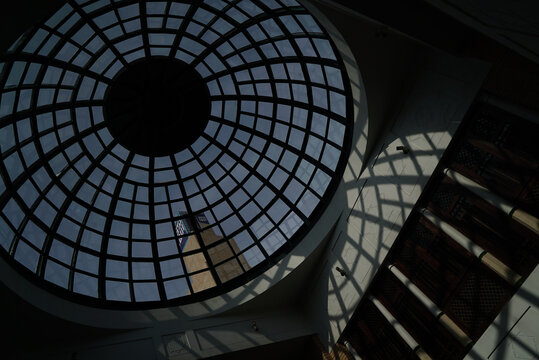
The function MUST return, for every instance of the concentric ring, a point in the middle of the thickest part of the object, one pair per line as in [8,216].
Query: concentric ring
[102,222]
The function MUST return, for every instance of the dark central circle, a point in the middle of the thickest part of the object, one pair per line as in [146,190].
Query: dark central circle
[157,106]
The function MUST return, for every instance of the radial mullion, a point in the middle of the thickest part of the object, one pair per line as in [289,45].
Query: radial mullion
[107,227]
[183,26]
[98,31]
[227,238]
[191,216]
[153,236]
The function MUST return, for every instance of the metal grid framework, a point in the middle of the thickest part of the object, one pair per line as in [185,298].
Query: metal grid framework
[98,221]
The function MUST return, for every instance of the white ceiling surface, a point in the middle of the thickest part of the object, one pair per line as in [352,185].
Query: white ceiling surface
[514,24]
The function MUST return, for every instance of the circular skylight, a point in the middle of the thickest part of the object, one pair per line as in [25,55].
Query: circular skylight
[165,152]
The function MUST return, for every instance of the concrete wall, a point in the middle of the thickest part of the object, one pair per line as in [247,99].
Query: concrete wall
[511,23]
[514,333]
[166,341]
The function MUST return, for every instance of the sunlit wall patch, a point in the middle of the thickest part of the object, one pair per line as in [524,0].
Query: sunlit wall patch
[112,224]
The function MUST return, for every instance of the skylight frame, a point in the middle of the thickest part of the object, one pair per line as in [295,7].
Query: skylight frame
[177,161]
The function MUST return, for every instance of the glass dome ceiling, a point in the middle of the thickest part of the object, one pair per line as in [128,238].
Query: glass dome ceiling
[110,193]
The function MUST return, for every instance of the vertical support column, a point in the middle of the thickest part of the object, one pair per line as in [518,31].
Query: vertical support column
[352,351]
[526,219]
[432,307]
[486,258]
[408,339]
